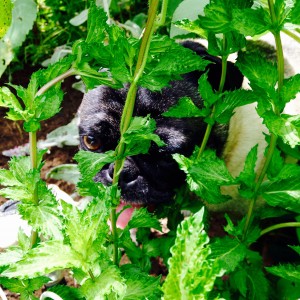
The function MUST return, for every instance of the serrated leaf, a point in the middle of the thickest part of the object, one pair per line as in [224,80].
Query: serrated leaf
[285,126]
[251,22]
[206,91]
[191,274]
[140,285]
[24,287]
[206,175]
[231,100]
[66,172]
[46,258]
[185,108]
[169,61]
[142,218]
[260,72]
[287,271]
[11,255]
[66,292]
[283,193]
[295,12]
[87,230]
[46,209]
[191,26]
[90,163]
[109,283]
[290,88]
[229,252]
[139,135]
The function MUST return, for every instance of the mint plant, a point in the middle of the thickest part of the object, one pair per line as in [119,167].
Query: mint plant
[65,237]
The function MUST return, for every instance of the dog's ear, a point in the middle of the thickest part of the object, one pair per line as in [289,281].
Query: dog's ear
[234,77]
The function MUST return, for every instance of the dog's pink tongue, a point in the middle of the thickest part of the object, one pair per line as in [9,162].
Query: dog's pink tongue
[125,215]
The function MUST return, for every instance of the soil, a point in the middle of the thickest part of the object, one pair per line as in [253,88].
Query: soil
[12,135]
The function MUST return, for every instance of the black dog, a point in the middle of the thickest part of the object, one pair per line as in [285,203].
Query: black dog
[151,178]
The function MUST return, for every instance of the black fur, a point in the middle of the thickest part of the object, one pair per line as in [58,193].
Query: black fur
[152,178]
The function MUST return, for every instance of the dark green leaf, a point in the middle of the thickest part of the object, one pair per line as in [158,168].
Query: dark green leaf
[288,271]
[142,218]
[251,21]
[206,91]
[230,101]
[291,87]
[206,175]
[185,108]
[285,126]
[284,193]
[139,135]
[91,163]
[295,13]
[260,72]
[67,292]
[229,252]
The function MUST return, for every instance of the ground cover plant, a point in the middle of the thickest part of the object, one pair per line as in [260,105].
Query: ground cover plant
[223,266]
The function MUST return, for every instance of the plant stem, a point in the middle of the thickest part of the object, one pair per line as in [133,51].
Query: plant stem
[278,226]
[52,82]
[163,14]
[273,140]
[212,115]
[33,143]
[292,35]
[91,275]
[128,112]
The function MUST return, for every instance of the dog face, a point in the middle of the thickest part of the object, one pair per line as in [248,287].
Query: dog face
[152,178]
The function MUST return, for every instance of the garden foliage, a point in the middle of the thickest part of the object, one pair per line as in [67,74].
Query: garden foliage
[81,240]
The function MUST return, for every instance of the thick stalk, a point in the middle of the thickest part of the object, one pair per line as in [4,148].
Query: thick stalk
[128,112]
[278,226]
[273,140]
[220,90]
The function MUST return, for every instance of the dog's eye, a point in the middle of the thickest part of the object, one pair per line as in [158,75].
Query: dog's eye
[91,142]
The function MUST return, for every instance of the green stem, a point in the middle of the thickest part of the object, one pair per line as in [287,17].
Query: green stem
[278,226]
[273,140]
[128,112]
[33,143]
[163,14]
[91,275]
[292,35]
[212,115]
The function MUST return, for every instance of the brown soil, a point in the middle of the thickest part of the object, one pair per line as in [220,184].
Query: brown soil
[12,135]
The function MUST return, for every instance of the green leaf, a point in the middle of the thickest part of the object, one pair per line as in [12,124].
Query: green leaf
[206,91]
[251,21]
[295,12]
[285,126]
[11,255]
[228,252]
[140,285]
[139,135]
[108,284]
[290,88]
[46,209]
[191,274]
[287,271]
[231,100]
[91,163]
[66,292]
[142,218]
[46,258]
[206,175]
[191,26]
[87,230]
[288,289]
[185,108]
[284,193]
[260,72]
[24,287]
[169,60]
[248,175]
[296,249]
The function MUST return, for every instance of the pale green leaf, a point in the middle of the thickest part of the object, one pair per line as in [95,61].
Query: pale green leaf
[46,258]
[191,274]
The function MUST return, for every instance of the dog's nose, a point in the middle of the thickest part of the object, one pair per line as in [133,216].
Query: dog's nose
[129,173]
